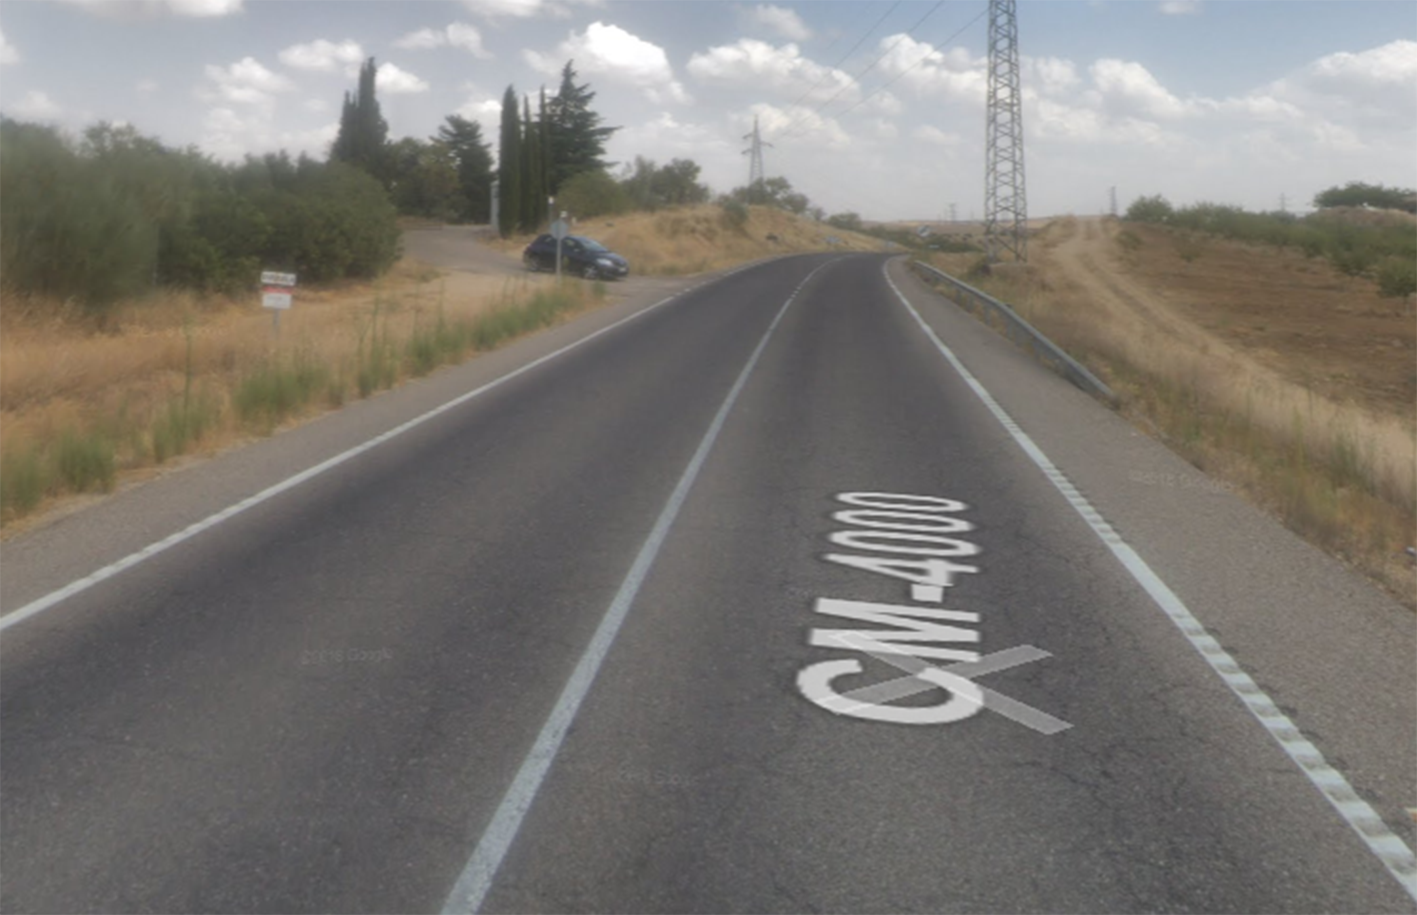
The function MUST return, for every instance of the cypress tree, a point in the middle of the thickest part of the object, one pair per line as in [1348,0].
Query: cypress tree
[509,189]
[577,139]
[533,169]
[363,132]
[474,157]
[544,135]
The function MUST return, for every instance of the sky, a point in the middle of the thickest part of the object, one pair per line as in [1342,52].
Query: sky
[871,107]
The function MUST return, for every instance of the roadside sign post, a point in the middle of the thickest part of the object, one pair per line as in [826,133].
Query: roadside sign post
[276,294]
[559,230]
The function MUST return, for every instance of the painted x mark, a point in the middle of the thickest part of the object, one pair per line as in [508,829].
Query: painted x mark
[937,677]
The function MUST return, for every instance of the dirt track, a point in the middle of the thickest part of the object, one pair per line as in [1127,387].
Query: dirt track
[1281,316]
[459,248]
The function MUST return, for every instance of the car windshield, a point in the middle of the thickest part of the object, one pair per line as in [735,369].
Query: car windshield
[591,244]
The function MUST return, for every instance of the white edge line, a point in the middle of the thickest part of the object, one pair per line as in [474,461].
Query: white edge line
[476,878]
[1389,848]
[127,562]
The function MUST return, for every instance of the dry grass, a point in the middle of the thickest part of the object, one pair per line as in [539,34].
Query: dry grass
[1317,427]
[177,374]
[697,239]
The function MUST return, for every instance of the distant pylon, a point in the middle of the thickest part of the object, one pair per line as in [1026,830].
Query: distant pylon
[1005,203]
[755,157]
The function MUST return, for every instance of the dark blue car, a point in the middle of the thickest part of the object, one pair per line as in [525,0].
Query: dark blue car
[580,255]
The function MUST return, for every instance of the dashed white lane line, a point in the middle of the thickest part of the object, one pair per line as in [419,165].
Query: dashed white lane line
[1357,813]
[481,869]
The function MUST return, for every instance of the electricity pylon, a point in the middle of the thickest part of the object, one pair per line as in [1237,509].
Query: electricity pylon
[755,158]
[1005,204]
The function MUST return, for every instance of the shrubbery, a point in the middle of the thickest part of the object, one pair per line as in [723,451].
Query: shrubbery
[592,193]
[1386,252]
[119,213]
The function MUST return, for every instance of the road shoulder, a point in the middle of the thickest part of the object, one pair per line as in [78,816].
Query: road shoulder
[1334,652]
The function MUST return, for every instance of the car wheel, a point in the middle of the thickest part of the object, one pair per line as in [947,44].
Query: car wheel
[531,264]
[590,272]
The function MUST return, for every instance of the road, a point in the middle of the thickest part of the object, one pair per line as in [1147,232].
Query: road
[577,642]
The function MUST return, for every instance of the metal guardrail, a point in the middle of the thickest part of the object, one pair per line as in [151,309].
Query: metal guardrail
[1020,332]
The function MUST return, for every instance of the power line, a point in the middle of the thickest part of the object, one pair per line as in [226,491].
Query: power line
[792,129]
[787,131]
[830,70]
[893,80]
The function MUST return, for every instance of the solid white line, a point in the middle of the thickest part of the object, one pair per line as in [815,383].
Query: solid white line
[127,562]
[476,878]
[1357,813]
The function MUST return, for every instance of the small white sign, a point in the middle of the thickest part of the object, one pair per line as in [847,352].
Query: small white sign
[276,289]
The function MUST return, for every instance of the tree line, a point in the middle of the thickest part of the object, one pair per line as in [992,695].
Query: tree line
[1385,252]
[115,213]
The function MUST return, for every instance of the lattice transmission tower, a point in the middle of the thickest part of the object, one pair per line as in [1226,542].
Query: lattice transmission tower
[1005,204]
[755,159]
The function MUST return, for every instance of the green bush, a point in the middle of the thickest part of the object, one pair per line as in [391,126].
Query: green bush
[277,390]
[23,481]
[592,193]
[1150,209]
[68,228]
[108,218]
[1397,276]
[735,213]
[85,462]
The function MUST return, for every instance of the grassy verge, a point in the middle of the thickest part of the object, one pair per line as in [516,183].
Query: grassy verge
[1337,476]
[81,408]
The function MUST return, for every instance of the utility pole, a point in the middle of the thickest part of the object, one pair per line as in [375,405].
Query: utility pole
[1005,204]
[953,218]
[1112,200]
[755,158]
[1283,203]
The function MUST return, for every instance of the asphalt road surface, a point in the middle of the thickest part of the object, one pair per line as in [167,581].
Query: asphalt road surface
[760,598]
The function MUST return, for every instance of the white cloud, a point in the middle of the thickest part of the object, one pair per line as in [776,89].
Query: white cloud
[422,40]
[1050,76]
[246,82]
[394,81]
[935,136]
[1179,7]
[610,51]
[145,86]
[484,109]
[796,123]
[931,72]
[462,35]
[8,54]
[229,135]
[784,70]
[322,56]
[36,105]
[456,34]
[1128,88]
[316,104]
[525,9]
[1377,85]
[783,21]
[151,9]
